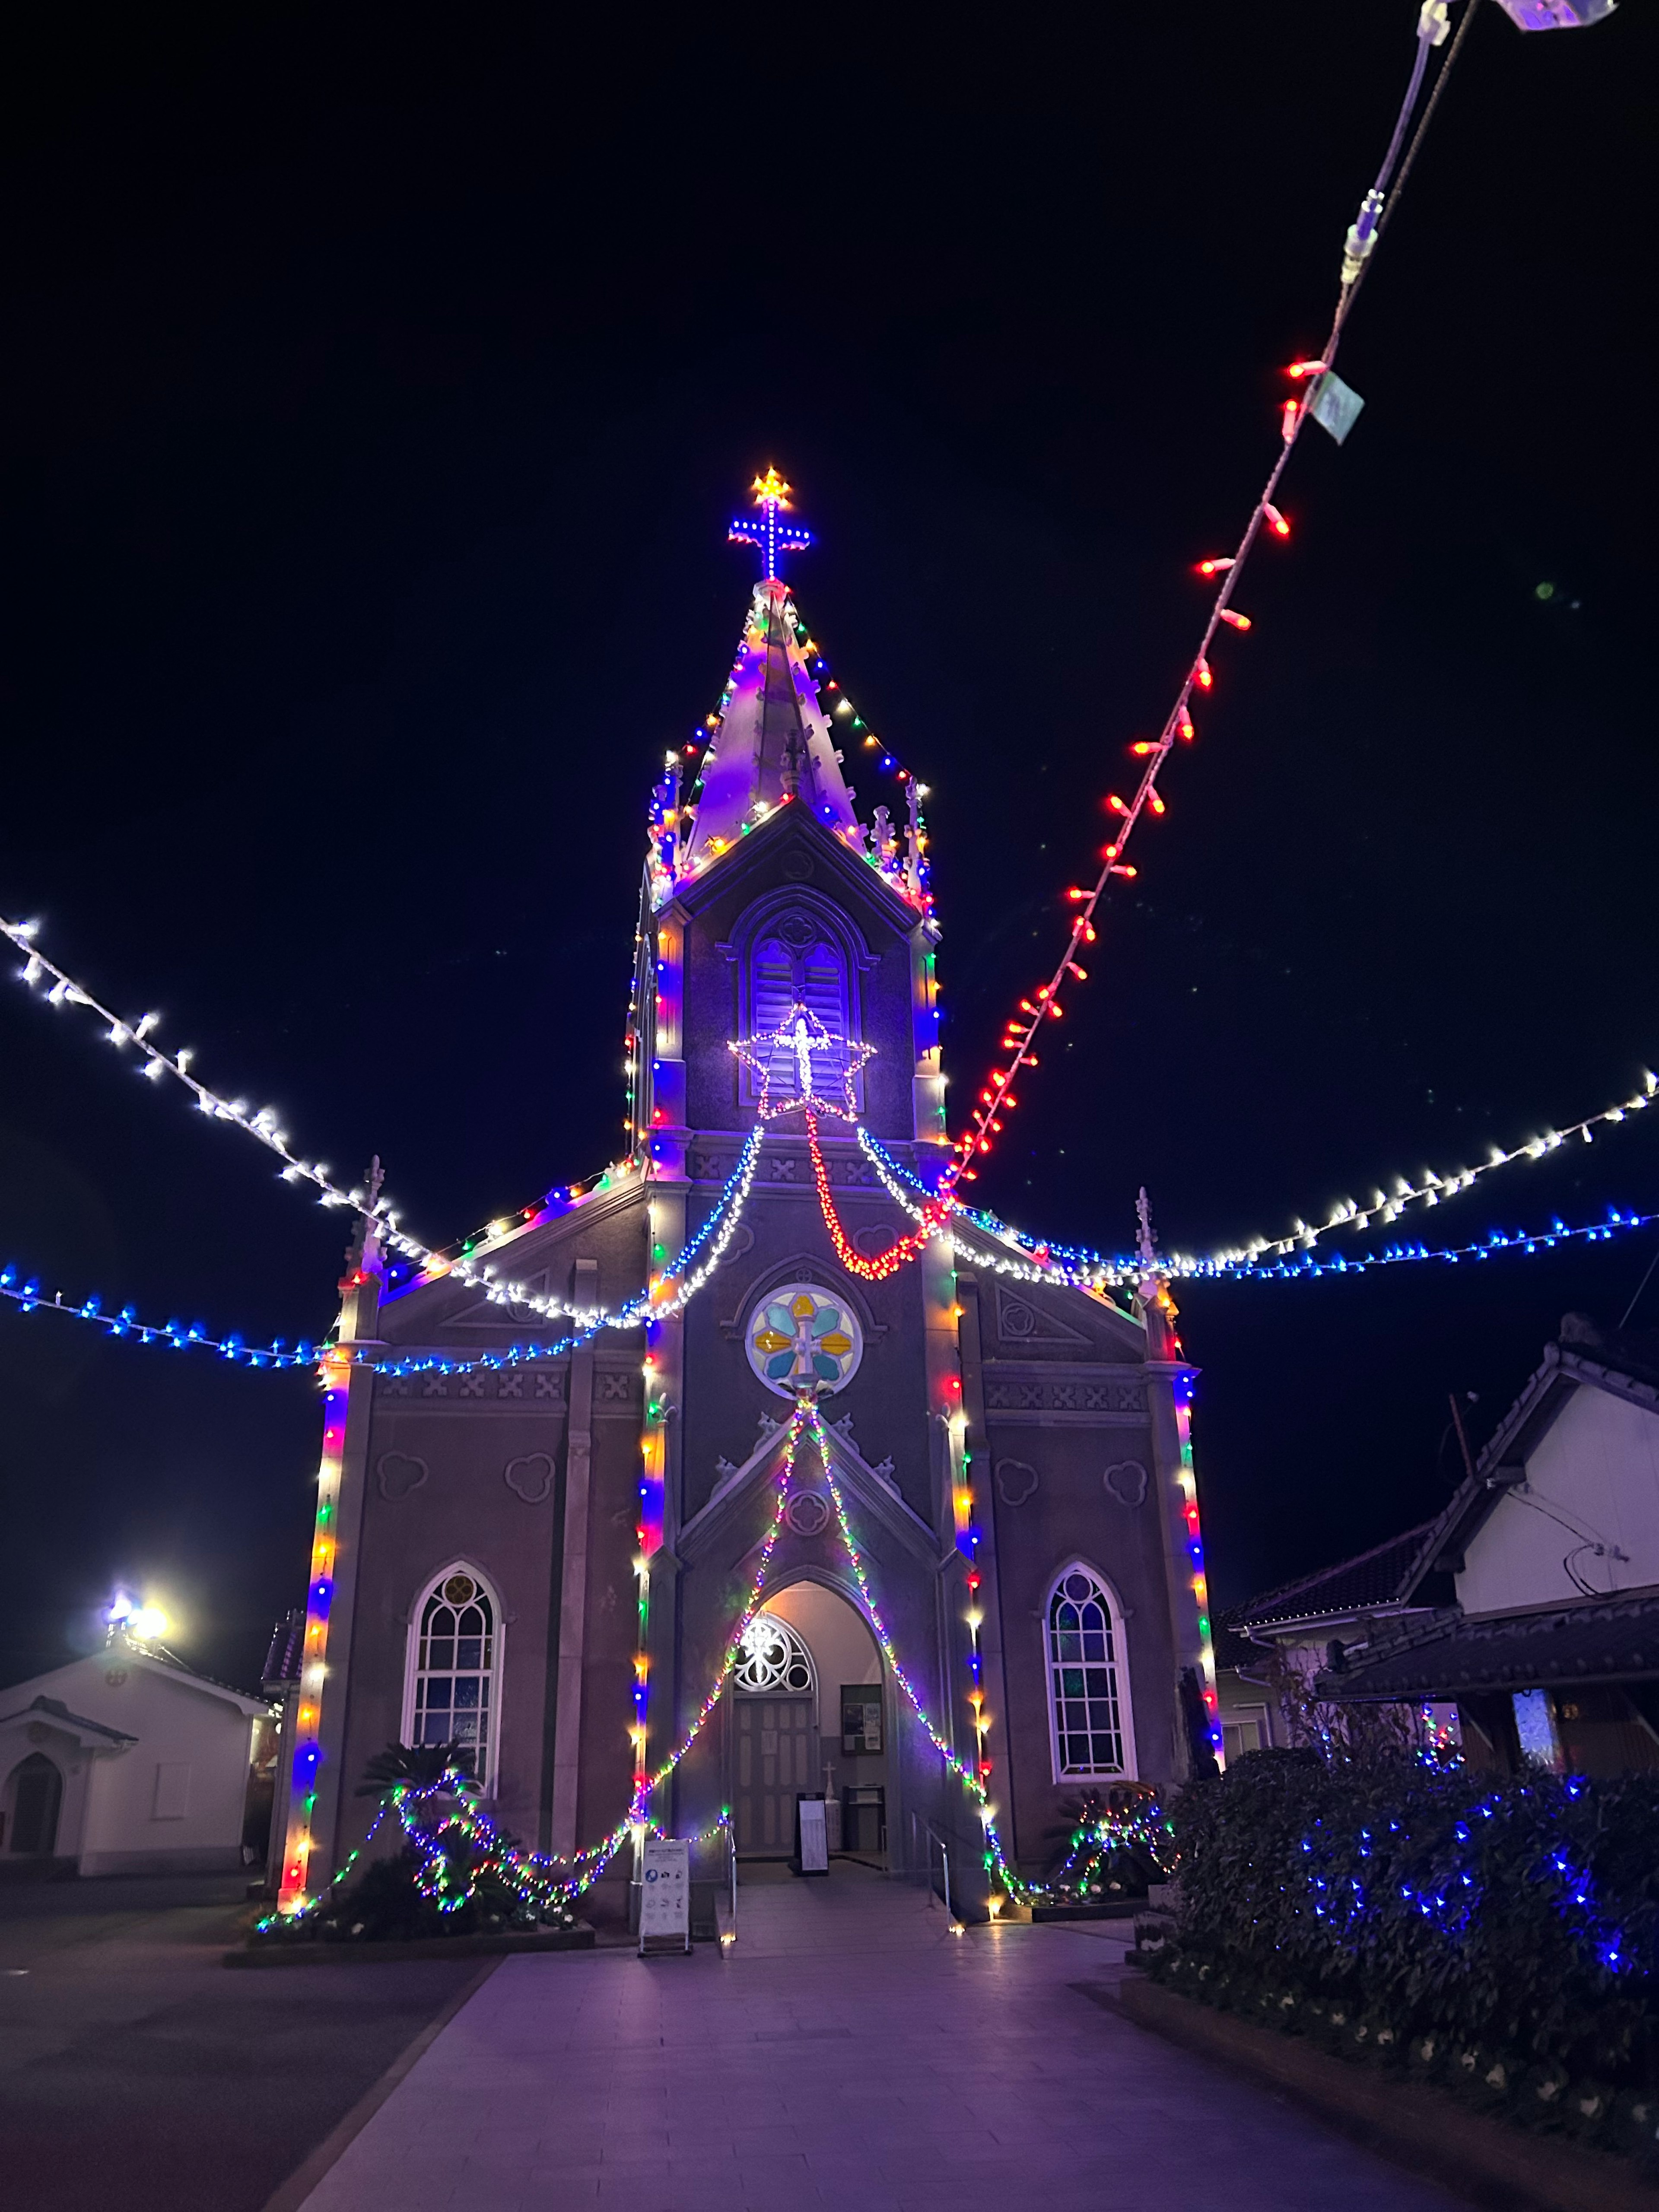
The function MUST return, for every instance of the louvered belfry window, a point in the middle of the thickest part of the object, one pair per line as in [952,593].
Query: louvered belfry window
[794,964]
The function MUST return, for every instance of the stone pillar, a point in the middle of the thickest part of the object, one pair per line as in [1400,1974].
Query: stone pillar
[573,1596]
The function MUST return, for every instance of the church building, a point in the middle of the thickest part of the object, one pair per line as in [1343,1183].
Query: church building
[755,1469]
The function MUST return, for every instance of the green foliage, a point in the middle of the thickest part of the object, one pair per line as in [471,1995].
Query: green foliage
[388,1902]
[1500,1938]
[1110,1842]
[421,1765]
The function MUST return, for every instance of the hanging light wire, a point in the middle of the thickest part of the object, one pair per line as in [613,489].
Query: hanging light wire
[1025,1027]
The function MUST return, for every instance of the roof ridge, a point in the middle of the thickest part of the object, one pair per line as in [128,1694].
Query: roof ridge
[1254,1605]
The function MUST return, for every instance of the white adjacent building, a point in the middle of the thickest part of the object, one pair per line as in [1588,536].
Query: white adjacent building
[125,1762]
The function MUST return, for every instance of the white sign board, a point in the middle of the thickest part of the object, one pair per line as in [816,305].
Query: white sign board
[665,1892]
[814,1841]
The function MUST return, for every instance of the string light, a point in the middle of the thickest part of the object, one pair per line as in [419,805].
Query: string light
[264,1125]
[1433,1188]
[975,1140]
[931,1219]
[1083,1269]
[306,1749]
[29,1298]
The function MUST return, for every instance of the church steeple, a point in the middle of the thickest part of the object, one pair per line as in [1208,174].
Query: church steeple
[770,744]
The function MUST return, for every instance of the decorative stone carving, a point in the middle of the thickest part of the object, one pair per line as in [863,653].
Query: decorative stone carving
[1125,1397]
[614,1388]
[399,1474]
[1015,1481]
[530,1477]
[547,1386]
[807,1513]
[1126,1482]
[724,1469]
[798,866]
[471,1386]
[1020,1320]
[876,1237]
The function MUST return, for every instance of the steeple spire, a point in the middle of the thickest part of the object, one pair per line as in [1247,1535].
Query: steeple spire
[772,743]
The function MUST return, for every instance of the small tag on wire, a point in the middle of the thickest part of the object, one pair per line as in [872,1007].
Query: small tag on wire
[1335,405]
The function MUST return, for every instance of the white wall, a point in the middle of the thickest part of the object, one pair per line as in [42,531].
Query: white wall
[132,1821]
[1597,1470]
[842,1648]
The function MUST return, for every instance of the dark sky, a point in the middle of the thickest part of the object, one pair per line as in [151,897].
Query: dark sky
[377,386]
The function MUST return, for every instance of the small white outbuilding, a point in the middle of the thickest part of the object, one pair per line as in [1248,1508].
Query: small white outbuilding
[125,1762]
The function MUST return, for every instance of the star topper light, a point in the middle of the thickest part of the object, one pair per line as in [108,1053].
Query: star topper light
[797,1038]
[775,538]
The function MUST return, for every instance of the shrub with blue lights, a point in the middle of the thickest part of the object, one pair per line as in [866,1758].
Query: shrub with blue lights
[1502,1938]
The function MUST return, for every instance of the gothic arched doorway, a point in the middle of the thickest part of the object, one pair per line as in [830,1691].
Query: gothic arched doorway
[807,1717]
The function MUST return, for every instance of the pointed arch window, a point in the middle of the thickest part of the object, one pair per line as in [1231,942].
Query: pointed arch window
[797,957]
[1088,1717]
[454,1668]
[773,1661]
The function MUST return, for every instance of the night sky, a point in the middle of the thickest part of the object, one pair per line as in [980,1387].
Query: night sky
[378,386]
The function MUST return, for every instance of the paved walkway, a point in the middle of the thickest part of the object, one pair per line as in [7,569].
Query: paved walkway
[848,2051]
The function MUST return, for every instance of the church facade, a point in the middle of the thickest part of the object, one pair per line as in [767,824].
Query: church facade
[950,1496]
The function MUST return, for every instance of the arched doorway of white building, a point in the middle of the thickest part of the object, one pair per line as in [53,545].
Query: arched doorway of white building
[807,1715]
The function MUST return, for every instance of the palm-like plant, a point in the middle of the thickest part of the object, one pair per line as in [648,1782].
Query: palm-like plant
[419,1766]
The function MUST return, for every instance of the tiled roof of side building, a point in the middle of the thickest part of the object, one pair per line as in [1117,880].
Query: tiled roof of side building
[1446,1655]
[1370,1578]
[287,1645]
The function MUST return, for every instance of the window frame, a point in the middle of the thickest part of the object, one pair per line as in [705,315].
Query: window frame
[1119,1663]
[765,920]
[433,1588]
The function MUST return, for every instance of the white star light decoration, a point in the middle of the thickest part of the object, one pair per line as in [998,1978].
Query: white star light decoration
[797,1038]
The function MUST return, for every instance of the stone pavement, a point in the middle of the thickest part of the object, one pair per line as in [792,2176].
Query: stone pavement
[848,2051]
[135,2072]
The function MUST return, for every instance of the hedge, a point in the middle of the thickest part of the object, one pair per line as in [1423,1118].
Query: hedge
[1501,1938]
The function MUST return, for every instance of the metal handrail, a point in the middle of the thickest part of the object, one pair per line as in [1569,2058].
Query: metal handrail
[935,1837]
[731,1859]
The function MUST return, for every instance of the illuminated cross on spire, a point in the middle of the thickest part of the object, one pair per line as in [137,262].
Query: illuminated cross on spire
[775,538]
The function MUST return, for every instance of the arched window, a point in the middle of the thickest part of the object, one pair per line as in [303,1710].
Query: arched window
[454,1669]
[773,1661]
[796,956]
[1088,1687]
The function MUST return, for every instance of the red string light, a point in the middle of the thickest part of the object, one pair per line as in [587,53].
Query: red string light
[933,1216]
[1199,676]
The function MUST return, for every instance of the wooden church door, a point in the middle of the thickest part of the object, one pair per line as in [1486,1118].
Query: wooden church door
[776,1758]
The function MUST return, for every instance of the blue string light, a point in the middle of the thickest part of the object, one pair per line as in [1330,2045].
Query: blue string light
[28,1298]
[1065,1260]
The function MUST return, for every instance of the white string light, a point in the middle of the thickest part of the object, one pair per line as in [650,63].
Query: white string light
[264,1125]
[657,1303]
